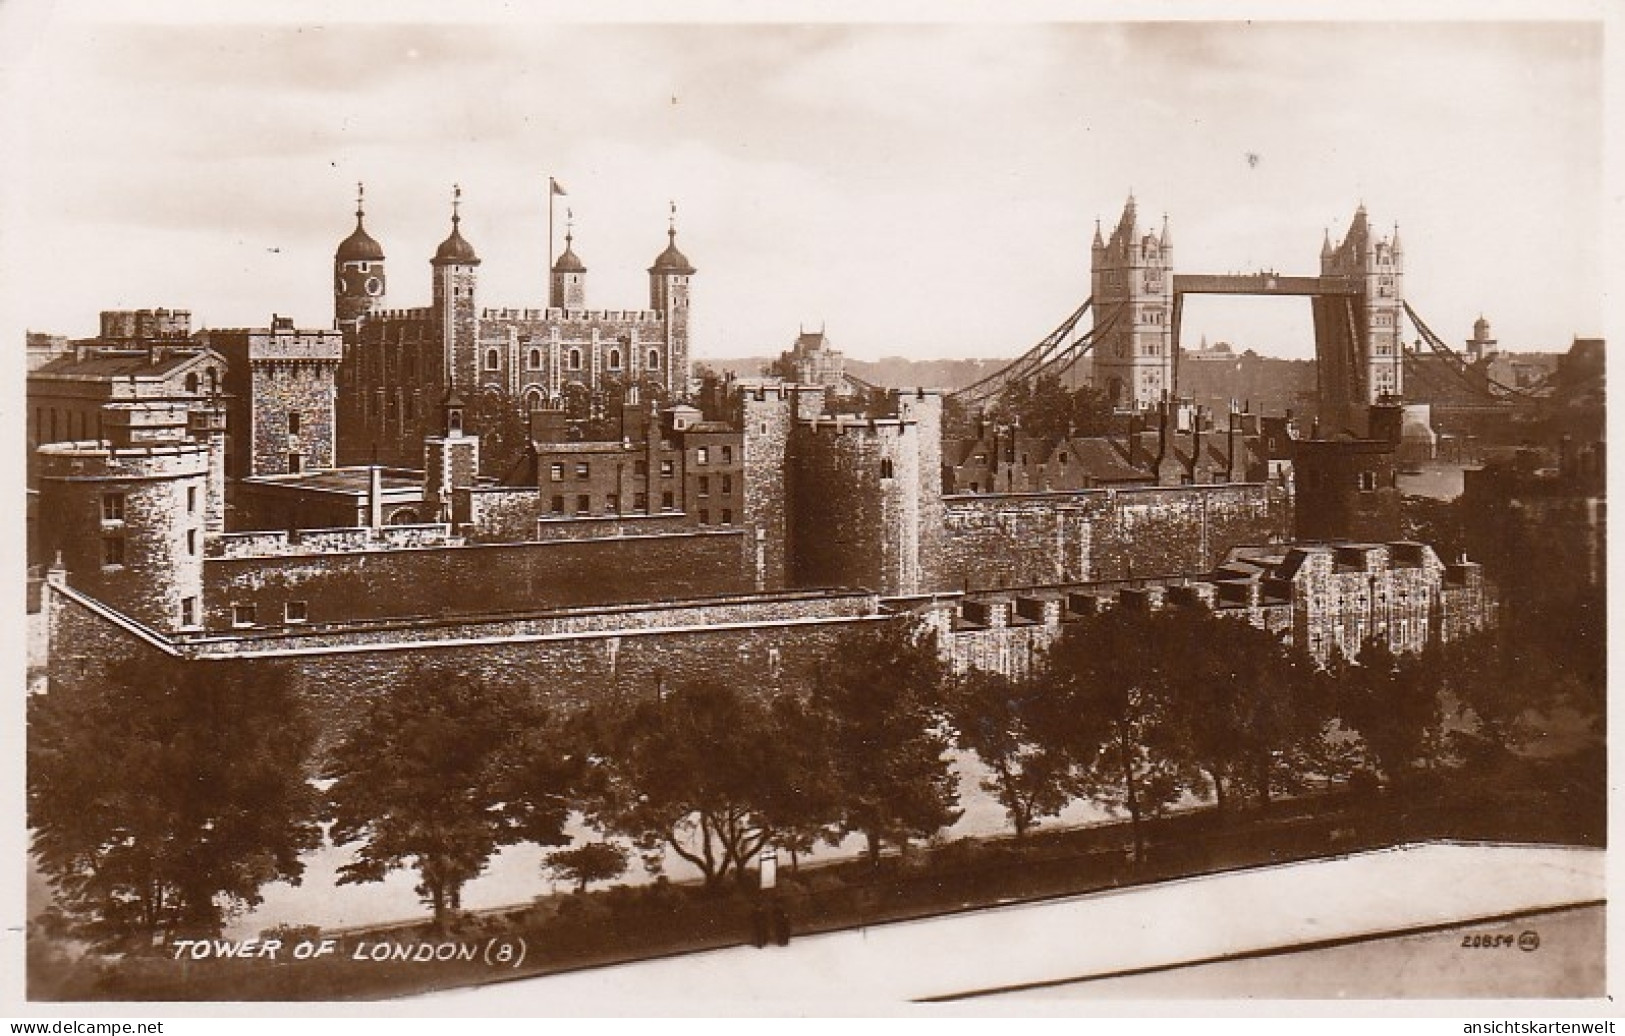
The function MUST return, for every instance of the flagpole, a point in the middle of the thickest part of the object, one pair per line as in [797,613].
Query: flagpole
[551,193]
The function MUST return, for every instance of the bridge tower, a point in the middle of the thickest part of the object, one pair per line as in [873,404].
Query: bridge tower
[1358,347]
[1133,288]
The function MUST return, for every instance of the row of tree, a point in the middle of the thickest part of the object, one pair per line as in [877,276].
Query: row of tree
[171,797]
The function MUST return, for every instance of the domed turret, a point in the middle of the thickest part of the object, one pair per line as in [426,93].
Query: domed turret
[456,249]
[568,261]
[569,285]
[672,260]
[359,246]
[358,273]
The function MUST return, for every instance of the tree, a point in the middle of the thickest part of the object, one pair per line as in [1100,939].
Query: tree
[883,697]
[1001,720]
[168,798]
[1114,709]
[1392,702]
[1049,411]
[708,772]
[594,861]
[1251,713]
[440,772]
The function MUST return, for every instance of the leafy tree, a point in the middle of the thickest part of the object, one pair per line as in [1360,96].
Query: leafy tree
[1252,714]
[1048,410]
[1437,523]
[883,696]
[707,772]
[166,799]
[440,772]
[594,861]
[1393,703]
[1114,708]
[1002,721]
[1515,677]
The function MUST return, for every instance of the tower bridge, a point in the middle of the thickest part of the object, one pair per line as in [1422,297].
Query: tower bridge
[1137,301]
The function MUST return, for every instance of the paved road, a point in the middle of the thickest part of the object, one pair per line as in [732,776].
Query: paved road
[1206,918]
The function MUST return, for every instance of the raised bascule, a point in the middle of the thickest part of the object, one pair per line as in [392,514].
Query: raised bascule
[1137,302]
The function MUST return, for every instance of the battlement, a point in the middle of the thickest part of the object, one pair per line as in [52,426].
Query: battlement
[619,316]
[843,424]
[100,459]
[418,313]
[146,324]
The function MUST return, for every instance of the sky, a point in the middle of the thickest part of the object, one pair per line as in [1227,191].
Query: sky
[923,189]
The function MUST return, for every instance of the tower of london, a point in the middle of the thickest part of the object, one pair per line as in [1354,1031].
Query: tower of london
[401,365]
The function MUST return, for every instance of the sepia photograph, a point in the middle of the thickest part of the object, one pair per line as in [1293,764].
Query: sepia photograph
[784,512]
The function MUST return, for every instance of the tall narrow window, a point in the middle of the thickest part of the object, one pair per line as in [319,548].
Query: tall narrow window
[493,360]
[112,507]
[614,359]
[293,422]
[654,359]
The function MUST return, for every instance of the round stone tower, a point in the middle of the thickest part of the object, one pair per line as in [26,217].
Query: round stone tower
[127,522]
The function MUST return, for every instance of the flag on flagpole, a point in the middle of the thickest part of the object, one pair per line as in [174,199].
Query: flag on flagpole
[556,188]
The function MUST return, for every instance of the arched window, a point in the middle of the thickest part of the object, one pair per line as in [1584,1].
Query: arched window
[534,359]
[575,359]
[885,467]
[533,398]
[493,360]
[214,380]
[654,359]
[614,359]
[191,382]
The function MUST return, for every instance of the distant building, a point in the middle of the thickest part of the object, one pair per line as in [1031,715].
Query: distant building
[1482,345]
[813,361]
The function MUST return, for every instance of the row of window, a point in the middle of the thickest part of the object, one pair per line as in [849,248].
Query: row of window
[572,360]
[293,613]
[640,467]
[640,505]
[725,483]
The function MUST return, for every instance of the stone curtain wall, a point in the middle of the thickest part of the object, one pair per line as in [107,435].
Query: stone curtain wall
[478,579]
[767,644]
[1034,539]
[1184,529]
